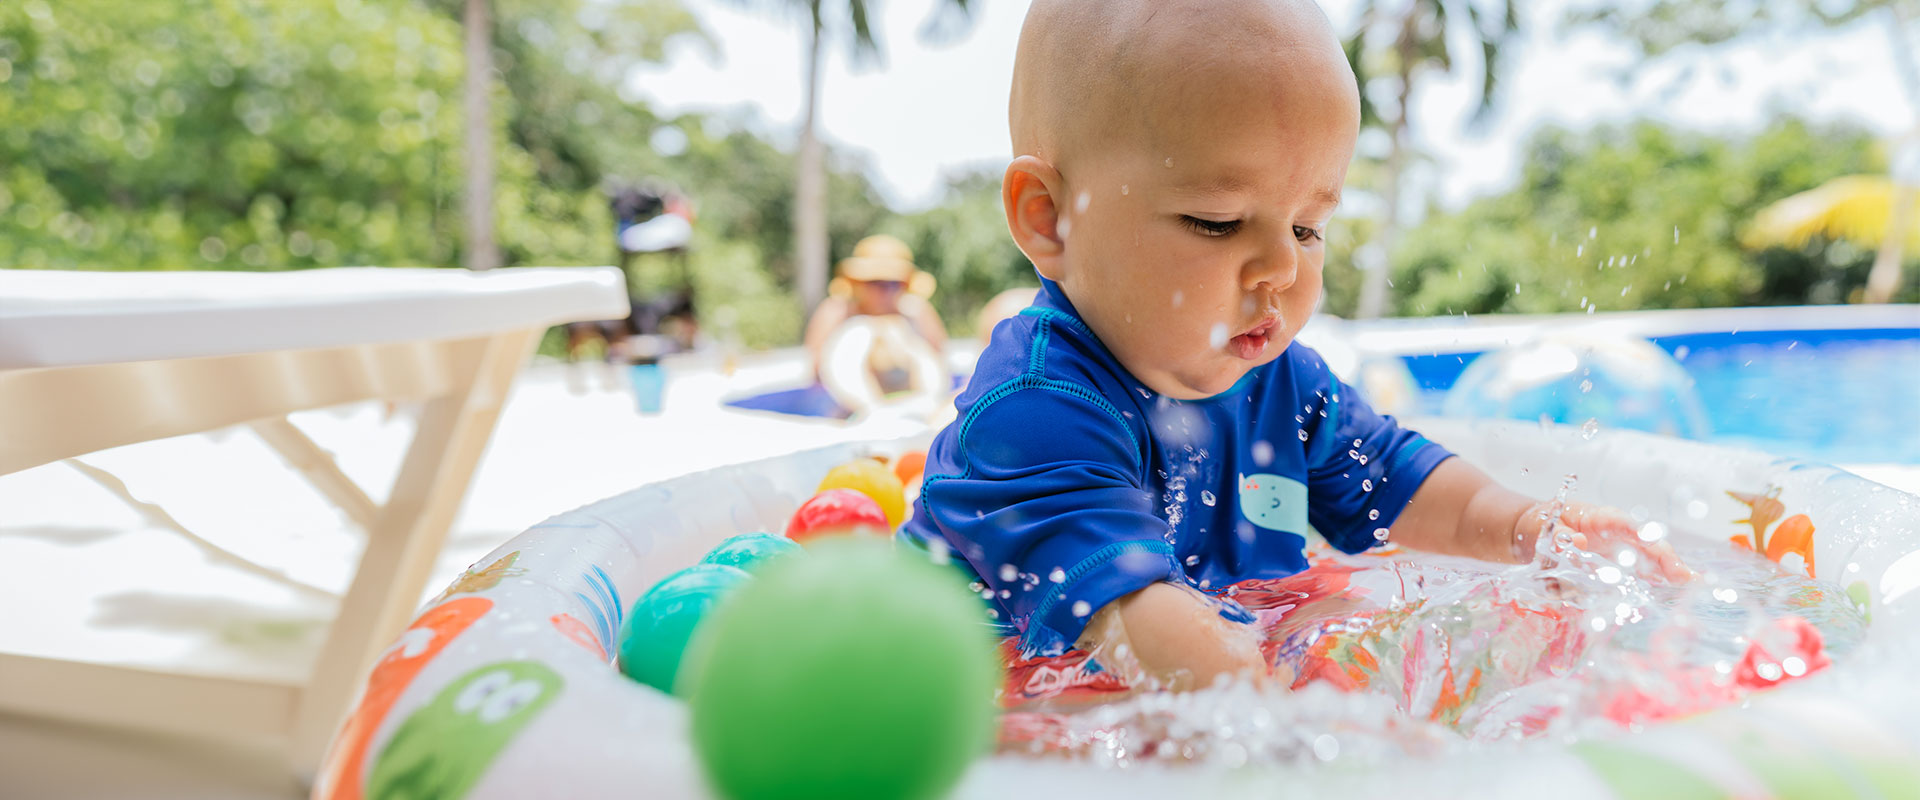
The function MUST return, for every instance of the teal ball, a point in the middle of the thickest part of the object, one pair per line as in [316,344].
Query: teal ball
[749,551]
[656,632]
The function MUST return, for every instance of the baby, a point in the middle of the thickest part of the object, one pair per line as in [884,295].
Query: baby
[1148,430]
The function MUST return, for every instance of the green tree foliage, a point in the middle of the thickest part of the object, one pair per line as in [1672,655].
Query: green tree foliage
[1634,218]
[964,243]
[285,134]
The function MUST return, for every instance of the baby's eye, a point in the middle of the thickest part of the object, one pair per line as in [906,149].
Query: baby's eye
[1207,227]
[1305,235]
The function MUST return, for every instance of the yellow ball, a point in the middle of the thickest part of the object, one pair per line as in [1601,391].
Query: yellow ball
[873,479]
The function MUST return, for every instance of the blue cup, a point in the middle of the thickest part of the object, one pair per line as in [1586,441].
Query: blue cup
[649,385]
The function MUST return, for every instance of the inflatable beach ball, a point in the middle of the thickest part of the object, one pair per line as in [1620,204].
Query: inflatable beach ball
[1622,381]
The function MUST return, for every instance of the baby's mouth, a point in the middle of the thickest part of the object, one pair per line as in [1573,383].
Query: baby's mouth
[1253,344]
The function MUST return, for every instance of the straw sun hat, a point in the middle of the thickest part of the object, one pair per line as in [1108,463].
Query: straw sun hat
[880,258]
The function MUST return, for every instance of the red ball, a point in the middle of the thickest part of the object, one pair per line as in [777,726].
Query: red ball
[837,512]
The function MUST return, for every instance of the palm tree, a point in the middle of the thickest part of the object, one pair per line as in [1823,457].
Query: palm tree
[477,201]
[810,190]
[1405,40]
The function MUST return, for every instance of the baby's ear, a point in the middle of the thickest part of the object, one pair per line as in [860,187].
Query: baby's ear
[1027,192]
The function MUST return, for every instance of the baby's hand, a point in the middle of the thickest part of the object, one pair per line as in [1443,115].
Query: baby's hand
[1601,530]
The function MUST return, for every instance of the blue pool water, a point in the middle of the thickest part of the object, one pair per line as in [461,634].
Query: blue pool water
[1835,396]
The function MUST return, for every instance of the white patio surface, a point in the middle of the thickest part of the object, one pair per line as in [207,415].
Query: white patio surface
[92,577]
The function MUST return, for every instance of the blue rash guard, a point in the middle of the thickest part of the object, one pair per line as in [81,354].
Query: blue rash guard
[1066,484]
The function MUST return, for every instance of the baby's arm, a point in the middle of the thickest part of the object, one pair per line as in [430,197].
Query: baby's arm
[1460,511]
[1173,637]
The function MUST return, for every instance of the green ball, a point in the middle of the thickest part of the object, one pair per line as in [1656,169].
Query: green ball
[750,551]
[654,638]
[853,672]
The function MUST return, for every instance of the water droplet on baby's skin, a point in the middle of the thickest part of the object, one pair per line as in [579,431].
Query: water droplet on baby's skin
[1169,162]
[1058,575]
[1217,336]
[1081,609]
[1178,298]
[1064,225]
[1080,203]
[1123,188]
[1207,498]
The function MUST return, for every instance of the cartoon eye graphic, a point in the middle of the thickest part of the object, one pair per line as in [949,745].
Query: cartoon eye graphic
[412,643]
[505,702]
[1276,502]
[481,691]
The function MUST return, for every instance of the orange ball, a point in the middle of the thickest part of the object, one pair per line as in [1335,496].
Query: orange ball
[838,512]
[909,466]
[871,478]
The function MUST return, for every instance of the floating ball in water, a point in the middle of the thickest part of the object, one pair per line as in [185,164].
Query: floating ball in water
[654,637]
[854,672]
[1622,382]
[873,479]
[838,512]
[750,551]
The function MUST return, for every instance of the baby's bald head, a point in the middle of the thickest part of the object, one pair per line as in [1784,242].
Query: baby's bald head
[1092,74]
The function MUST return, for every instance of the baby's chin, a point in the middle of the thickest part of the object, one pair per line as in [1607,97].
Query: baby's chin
[1196,386]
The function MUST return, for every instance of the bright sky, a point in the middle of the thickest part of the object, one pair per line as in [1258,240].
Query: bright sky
[934,110]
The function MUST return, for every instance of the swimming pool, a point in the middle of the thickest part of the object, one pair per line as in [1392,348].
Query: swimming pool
[1833,384]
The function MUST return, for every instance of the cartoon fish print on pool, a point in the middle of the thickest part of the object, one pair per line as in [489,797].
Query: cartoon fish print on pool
[444,748]
[1790,545]
[479,580]
[341,777]
[578,631]
[1765,508]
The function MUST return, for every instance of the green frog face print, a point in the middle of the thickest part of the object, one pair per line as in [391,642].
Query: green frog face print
[443,748]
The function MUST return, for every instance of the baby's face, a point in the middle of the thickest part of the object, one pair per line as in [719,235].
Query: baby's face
[1195,251]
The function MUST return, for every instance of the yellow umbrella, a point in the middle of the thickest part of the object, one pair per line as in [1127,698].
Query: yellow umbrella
[1857,208]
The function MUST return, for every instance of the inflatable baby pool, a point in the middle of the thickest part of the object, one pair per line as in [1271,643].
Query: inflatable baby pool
[504,687]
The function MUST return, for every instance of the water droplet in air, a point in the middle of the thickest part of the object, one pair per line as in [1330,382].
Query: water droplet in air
[1373,513]
[1592,232]
[1366,485]
[1207,498]
[1009,573]
[1654,531]
[1217,336]
[1363,459]
[1263,453]
[1767,670]
[1726,595]
[1325,747]
[1080,203]
[1303,434]
[1586,386]
[1081,609]
[1192,560]
[1697,509]
[1590,429]
[1794,666]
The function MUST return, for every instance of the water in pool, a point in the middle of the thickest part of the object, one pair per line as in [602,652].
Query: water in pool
[1396,653]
